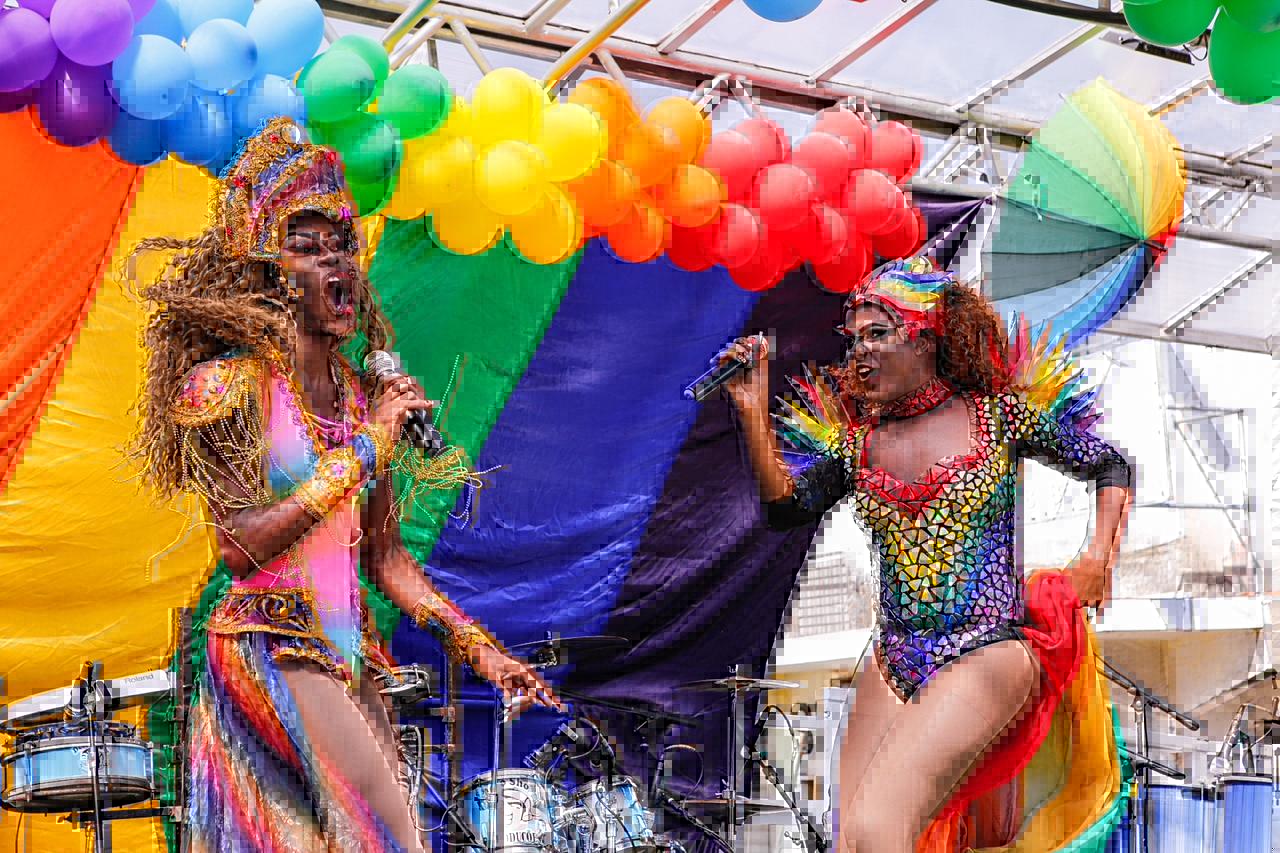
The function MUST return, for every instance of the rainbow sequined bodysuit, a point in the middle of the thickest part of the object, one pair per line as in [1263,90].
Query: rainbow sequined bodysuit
[949,578]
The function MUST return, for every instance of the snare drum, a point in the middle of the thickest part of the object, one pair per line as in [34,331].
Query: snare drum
[619,821]
[511,810]
[50,768]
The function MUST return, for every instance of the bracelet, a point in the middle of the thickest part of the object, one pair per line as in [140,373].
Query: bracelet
[435,613]
[337,473]
[375,438]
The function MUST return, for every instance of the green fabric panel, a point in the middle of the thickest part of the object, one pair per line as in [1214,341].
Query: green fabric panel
[1032,250]
[1048,182]
[491,309]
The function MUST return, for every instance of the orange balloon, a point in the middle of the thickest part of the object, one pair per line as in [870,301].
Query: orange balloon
[650,154]
[689,126]
[549,233]
[610,100]
[693,197]
[641,236]
[605,194]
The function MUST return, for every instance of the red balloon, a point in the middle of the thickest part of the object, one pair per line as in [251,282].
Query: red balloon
[849,269]
[690,248]
[769,140]
[871,201]
[732,156]
[767,268]
[895,150]
[783,195]
[736,236]
[829,159]
[850,127]
[820,237]
[904,240]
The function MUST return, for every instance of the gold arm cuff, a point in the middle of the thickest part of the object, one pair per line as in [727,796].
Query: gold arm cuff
[383,446]
[434,613]
[337,473]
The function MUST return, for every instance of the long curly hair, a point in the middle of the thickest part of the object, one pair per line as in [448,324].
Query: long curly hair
[972,352]
[203,304]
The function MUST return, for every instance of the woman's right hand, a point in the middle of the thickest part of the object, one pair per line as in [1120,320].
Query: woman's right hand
[400,396]
[749,389]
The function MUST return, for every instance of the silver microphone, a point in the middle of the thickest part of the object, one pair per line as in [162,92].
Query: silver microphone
[418,429]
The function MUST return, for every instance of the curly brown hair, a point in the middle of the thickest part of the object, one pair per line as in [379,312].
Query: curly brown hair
[203,304]
[973,351]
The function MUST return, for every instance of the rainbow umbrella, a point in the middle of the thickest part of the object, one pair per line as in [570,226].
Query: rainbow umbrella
[1093,208]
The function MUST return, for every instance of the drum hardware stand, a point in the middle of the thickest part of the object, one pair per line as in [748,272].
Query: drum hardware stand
[1143,703]
[812,833]
[663,797]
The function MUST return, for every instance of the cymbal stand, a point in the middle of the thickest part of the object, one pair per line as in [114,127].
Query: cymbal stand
[735,767]
[803,820]
[663,798]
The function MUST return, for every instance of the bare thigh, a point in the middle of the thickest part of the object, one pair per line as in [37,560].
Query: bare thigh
[339,727]
[874,708]
[935,741]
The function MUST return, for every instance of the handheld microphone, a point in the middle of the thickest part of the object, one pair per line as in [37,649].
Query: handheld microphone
[542,757]
[706,384]
[418,429]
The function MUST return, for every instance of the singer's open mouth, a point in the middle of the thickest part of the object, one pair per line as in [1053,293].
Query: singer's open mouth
[864,371]
[337,295]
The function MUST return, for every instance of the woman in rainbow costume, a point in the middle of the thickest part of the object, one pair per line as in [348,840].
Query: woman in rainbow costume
[982,720]
[251,401]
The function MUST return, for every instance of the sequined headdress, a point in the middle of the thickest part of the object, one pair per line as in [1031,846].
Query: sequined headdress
[910,288]
[273,176]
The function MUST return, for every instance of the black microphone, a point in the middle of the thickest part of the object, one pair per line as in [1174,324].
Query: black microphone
[542,757]
[706,384]
[418,429]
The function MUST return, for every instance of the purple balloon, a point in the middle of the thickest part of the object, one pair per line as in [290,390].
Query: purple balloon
[91,32]
[141,8]
[11,102]
[44,7]
[27,51]
[74,103]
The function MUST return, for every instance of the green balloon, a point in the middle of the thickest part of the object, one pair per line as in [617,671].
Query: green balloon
[1260,15]
[1170,22]
[369,198]
[370,51]
[1245,63]
[370,147]
[416,100]
[335,85]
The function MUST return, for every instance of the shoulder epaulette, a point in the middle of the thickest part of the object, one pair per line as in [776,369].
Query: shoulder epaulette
[214,389]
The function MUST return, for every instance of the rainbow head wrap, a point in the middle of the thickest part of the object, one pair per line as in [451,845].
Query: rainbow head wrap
[911,289]
[273,176]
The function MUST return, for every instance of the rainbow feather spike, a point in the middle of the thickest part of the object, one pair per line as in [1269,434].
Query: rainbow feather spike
[813,421]
[1044,372]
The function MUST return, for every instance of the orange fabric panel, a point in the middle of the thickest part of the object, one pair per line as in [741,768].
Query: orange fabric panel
[62,208]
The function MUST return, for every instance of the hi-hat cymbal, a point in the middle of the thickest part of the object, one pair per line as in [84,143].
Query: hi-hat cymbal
[553,650]
[737,682]
[718,807]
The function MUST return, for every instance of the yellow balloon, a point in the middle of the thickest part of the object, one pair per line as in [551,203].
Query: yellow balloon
[508,105]
[457,125]
[443,170]
[551,232]
[466,227]
[573,138]
[404,203]
[511,178]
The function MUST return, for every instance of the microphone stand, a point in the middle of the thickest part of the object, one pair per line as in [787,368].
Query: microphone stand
[803,820]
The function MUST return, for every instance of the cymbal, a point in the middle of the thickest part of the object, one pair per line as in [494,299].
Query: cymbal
[718,807]
[737,682]
[553,651]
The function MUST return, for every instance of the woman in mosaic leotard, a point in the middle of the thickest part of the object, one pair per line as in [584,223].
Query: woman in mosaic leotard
[929,452]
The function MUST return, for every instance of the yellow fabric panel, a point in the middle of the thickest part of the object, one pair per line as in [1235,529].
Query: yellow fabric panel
[77,534]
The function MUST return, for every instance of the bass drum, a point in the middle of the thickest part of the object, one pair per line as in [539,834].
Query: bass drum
[50,768]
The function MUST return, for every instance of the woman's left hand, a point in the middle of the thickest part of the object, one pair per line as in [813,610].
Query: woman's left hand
[1091,578]
[520,685]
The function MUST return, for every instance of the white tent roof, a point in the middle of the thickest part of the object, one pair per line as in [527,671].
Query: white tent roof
[999,66]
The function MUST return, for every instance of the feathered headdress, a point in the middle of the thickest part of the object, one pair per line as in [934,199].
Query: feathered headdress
[911,289]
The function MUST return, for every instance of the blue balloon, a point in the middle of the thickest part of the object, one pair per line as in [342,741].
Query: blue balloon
[201,131]
[136,140]
[288,33]
[193,13]
[152,77]
[783,10]
[264,98]
[161,21]
[222,54]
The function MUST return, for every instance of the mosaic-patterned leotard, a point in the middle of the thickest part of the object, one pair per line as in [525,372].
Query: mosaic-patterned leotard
[949,580]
